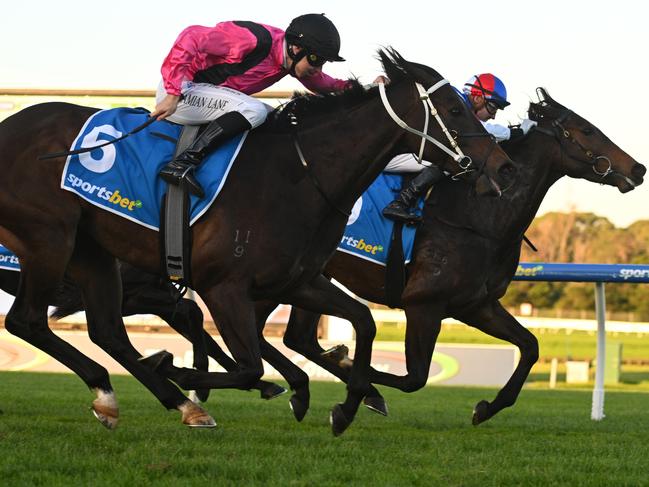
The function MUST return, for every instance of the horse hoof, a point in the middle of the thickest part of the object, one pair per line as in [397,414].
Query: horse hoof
[336,353]
[338,420]
[195,416]
[107,416]
[298,407]
[271,391]
[339,355]
[161,359]
[480,413]
[376,404]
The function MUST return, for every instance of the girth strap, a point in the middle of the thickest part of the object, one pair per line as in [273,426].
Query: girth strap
[175,221]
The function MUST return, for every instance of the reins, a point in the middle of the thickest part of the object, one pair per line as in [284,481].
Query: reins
[560,132]
[314,179]
[465,162]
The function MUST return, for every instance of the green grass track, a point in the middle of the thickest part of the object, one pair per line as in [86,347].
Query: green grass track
[49,437]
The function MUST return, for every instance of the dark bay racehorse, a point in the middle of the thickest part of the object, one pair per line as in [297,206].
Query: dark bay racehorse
[466,254]
[268,236]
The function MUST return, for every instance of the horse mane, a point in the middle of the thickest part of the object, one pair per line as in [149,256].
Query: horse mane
[308,109]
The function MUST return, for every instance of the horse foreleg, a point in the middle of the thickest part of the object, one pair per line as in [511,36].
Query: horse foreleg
[422,328]
[496,321]
[322,296]
[298,381]
[302,336]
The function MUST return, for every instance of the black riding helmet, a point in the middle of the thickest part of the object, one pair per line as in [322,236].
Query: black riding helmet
[316,34]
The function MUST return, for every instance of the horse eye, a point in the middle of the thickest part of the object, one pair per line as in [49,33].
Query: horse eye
[456,111]
[587,131]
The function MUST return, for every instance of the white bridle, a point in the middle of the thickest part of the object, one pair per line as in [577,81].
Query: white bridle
[424,95]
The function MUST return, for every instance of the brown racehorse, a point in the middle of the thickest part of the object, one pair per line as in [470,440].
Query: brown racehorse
[466,253]
[292,218]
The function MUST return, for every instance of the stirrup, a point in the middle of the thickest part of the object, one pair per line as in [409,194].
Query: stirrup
[399,214]
[172,174]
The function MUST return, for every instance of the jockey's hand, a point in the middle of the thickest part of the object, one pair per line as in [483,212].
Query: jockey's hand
[382,79]
[166,107]
[526,125]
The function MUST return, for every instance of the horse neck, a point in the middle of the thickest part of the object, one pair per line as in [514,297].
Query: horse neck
[368,137]
[540,159]
[506,219]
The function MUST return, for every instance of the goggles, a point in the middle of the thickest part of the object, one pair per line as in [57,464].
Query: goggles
[492,107]
[315,60]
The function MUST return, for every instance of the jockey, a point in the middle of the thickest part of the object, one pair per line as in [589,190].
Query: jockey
[210,73]
[484,94]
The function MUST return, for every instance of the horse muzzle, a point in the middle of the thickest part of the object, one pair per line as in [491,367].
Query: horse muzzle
[636,178]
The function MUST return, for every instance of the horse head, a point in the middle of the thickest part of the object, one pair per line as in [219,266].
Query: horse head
[468,151]
[585,151]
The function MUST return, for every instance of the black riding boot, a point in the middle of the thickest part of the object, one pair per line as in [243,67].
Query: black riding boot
[399,209]
[218,131]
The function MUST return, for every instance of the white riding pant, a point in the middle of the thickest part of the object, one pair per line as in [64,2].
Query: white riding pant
[405,163]
[203,102]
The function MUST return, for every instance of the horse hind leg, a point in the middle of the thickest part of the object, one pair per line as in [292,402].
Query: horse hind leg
[96,273]
[27,319]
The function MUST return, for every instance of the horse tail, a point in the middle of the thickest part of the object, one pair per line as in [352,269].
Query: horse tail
[68,301]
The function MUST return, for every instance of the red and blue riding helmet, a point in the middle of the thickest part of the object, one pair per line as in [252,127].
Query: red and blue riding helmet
[489,86]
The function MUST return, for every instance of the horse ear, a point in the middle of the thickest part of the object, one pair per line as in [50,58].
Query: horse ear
[542,93]
[545,98]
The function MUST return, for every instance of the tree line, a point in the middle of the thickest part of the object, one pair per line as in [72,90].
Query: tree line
[583,238]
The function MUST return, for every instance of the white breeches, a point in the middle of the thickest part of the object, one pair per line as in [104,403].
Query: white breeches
[203,102]
[405,163]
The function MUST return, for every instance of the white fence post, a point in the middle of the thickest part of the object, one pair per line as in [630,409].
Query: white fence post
[597,411]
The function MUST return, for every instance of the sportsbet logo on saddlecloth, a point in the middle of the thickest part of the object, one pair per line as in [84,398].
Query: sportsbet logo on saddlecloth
[114,196]
[360,244]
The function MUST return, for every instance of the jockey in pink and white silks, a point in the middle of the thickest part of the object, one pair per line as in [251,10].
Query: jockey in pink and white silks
[210,73]
[484,94]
